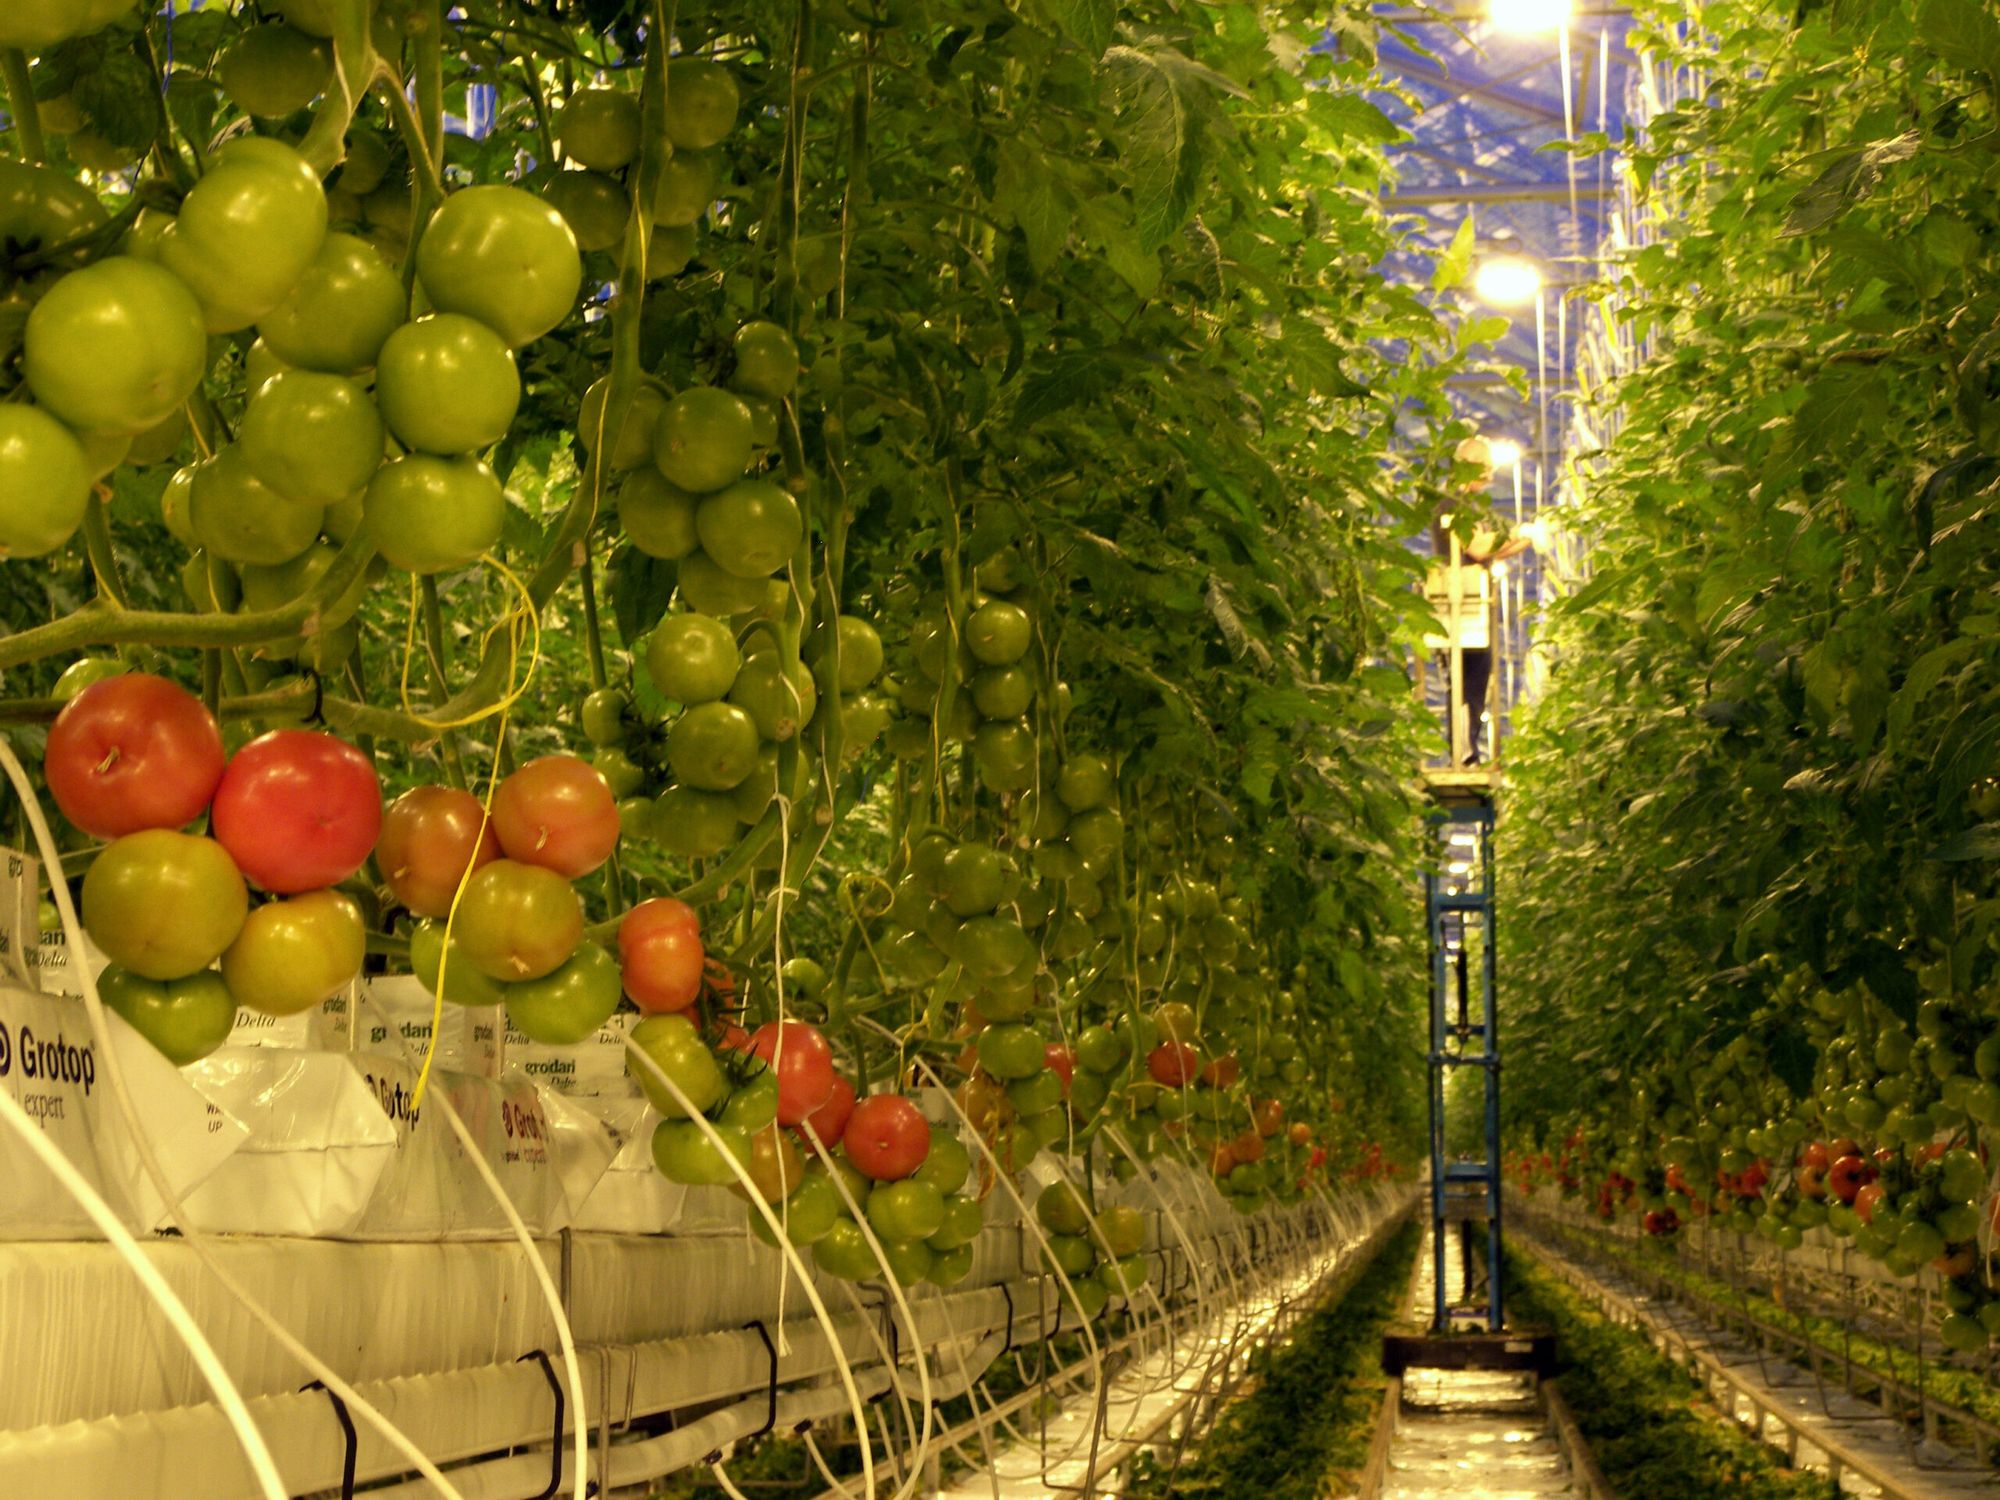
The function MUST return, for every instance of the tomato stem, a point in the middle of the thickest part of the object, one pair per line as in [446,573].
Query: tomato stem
[21,103]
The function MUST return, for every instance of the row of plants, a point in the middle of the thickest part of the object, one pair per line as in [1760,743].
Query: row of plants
[1646,1420]
[866,534]
[1749,866]
[1967,1390]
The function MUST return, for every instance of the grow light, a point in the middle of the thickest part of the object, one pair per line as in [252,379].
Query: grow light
[1507,281]
[1504,451]
[1528,17]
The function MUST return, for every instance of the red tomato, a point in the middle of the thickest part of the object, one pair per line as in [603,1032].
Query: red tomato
[1867,1200]
[557,812]
[431,835]
[1222,1072]
[298,810]
[659,949]
[1222,1161]
[733,1039]
[133,752]
[1060,1061]
[1248,1146]
[887,1137]
[829,1121]
[804,1063]
[1173,1064]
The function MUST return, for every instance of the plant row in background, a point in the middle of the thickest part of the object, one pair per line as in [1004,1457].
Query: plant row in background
[1749,862]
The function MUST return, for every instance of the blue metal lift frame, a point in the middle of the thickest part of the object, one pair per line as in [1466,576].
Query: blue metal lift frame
[1458,905]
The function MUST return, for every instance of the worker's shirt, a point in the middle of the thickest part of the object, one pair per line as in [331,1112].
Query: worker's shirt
[1463,595]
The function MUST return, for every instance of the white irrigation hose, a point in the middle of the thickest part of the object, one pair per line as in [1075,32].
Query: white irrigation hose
[149,1158]
[785,1248]
[565,1336]
[227,1396]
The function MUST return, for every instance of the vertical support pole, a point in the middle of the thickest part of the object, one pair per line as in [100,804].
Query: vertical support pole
[1490,1016]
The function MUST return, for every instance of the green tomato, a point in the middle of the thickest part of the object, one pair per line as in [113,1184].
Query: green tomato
[947,1165]
[674,1045]
[247,231]
[1123,1276]
[464,984]
[604,717]
[186,1019]
[238,518]
[687,186]
[751,528]
[704,586]
[564,1007]
[620,772]
[1037,1094]
[753,1105]
[712,747]
[693,824]
[594,206]
[274,70]
[703,440]
[684,1153]
[812,1210]
[501,255]
[1063,1209]
[81,673]
[656,516]
[963,1221]
[950,1267]
[44,482]
[843,1251]
[1012,1051]
[1072,1254]
[41,207]
[692,659]
[310,437]
[430,515]
[447,384]
[906,1210]
[164,904]
[341,310]
[702,101]
[909,1261]
[115,347]
[598,128]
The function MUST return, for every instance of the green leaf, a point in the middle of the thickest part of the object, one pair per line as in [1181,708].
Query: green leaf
[1316,358]
[1456,262]
[1982,842]
[1353,118]
[1925,673]
[1839,406]
[1486,329]
[1026,188]
[1160,138]
[641,587]
[1137,267]
[1852,176]
[1088,23]
[1065,380]
[1963,33]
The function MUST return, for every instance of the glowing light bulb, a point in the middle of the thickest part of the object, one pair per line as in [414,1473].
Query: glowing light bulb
[1528,17]
[1504,451]
[1507,281]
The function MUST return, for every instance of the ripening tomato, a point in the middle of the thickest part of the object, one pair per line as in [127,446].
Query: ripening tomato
[804,1064]
[163,904]
[293,954]
[517,921]
[298,810]
[887,1137]
[1174,1064]
[1269,1114]
[659,947]
[559,813]
[133,752]
[432,837]
[828,1123]
[1222,1071]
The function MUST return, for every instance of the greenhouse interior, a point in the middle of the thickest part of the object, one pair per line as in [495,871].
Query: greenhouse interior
[901,750]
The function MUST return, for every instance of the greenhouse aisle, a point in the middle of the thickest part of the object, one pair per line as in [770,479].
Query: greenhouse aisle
[1472,1434]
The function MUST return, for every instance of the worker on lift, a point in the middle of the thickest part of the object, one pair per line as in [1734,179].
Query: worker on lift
[1459,588]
